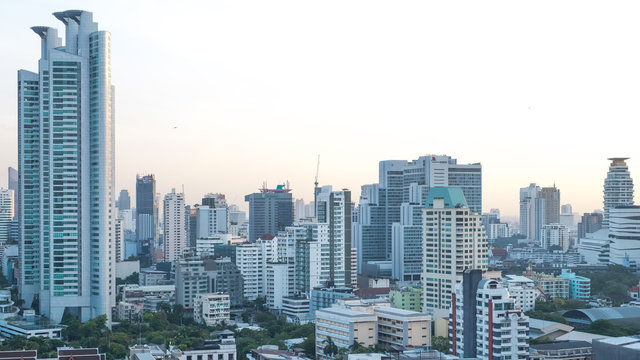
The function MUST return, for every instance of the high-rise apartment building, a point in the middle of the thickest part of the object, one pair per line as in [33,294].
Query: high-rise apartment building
[270,211]
[211,221]
[214,200]
[146,218]
[124,200]
[66,171]
[6,214]
[624,234]
[485,322]
[528,197]
[334,208]
[554,235]
[118,235]
[173,220]
[618,187]
[453,240]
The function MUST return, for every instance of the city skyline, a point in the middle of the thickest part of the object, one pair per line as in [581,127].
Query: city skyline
[269,115]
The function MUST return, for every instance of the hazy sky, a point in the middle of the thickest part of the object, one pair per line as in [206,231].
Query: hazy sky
[537,91]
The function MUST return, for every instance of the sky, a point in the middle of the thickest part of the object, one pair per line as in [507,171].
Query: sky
[220,96]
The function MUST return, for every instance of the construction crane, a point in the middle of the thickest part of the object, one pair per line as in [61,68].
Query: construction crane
[315,188]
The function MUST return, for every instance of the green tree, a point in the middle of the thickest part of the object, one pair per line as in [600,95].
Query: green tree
[330,349]
[441,344]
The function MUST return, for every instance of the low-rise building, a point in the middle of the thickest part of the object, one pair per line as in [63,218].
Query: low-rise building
[126,311]
[523,290]
[617,348]
[566,350]
[211,309]
[324,297]
[579,286]
[552,286]
[407,298]
[222,348]
[149,277]
[296,309]
[344,326]
[399,328]
[30,325]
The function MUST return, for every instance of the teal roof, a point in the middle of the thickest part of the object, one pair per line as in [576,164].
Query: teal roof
[453,197]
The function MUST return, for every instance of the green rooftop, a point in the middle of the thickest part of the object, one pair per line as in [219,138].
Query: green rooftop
[452,196]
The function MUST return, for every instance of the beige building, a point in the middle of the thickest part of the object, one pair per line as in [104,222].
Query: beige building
[211,309]
[369,323]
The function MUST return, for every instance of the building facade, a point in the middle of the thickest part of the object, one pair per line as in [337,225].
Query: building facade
[618,187]
[453,240]
[270,211]
[212,309]
[173,219]
[66,157]
[146,219]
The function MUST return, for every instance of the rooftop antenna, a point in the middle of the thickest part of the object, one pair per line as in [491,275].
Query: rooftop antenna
[315,188]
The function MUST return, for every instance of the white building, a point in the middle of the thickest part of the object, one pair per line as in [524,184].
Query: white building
[212,221]
[211,309]
[66,159]
[595,247]
[499,328]
[191,280]
[206,246]
[522,290]
[618,187]
[6,214]
[175,236]
[453,240]
[624,233]
[251,260]
[495,231]
[555,235]
[129,220]
[280,283]
[528,210]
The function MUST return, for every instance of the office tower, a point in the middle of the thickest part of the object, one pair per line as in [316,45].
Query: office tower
[407,242]
[567,217]
[124,200]
[146,218]
[485,322]
[453,240]
[590,223]
[12,175]
[236,216]
[528,197]
[118,230]
[566,209]
[66,172]
[551,196]
[554,235]
[214,200]
[191,224]
[211,221]
[270,211]
[618,187]
[6,214]
[173,220]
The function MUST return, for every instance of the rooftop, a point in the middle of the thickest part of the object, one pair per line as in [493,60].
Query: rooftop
[452,196]
[561,345]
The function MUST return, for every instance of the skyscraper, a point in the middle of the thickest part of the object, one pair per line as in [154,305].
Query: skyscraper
[173,220]
[146,219]
[124,200]
[66,171]
[270,211]
[453,240]
[551,196]
[590,223]
[618,187]
[334,208]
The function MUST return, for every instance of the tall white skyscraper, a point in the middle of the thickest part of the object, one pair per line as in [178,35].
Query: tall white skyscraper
[453,240]
[618,187]
[528,197]
[66,171]
[174,234]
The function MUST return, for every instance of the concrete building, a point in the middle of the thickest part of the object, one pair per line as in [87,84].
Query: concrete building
[453,240]
[324,297]
[211,309]
[618,187]
[118,239]
[404,329]
[124,200]
[579,286]
[624,233]
[196,276]
[555,235]
[173,221]
[408,298]
[12,181]
[146,219]
[553,287]
[522,290]
[495,231]
[270,210]
[296,309]
[589,223]
[66,164]
[30,325]
[528,210]
[344,326]
[6,214]
[280,283]
[618,348]
[574,350]
[212,221]
[551,196]
[334,209]
[480,307]
[251,259]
